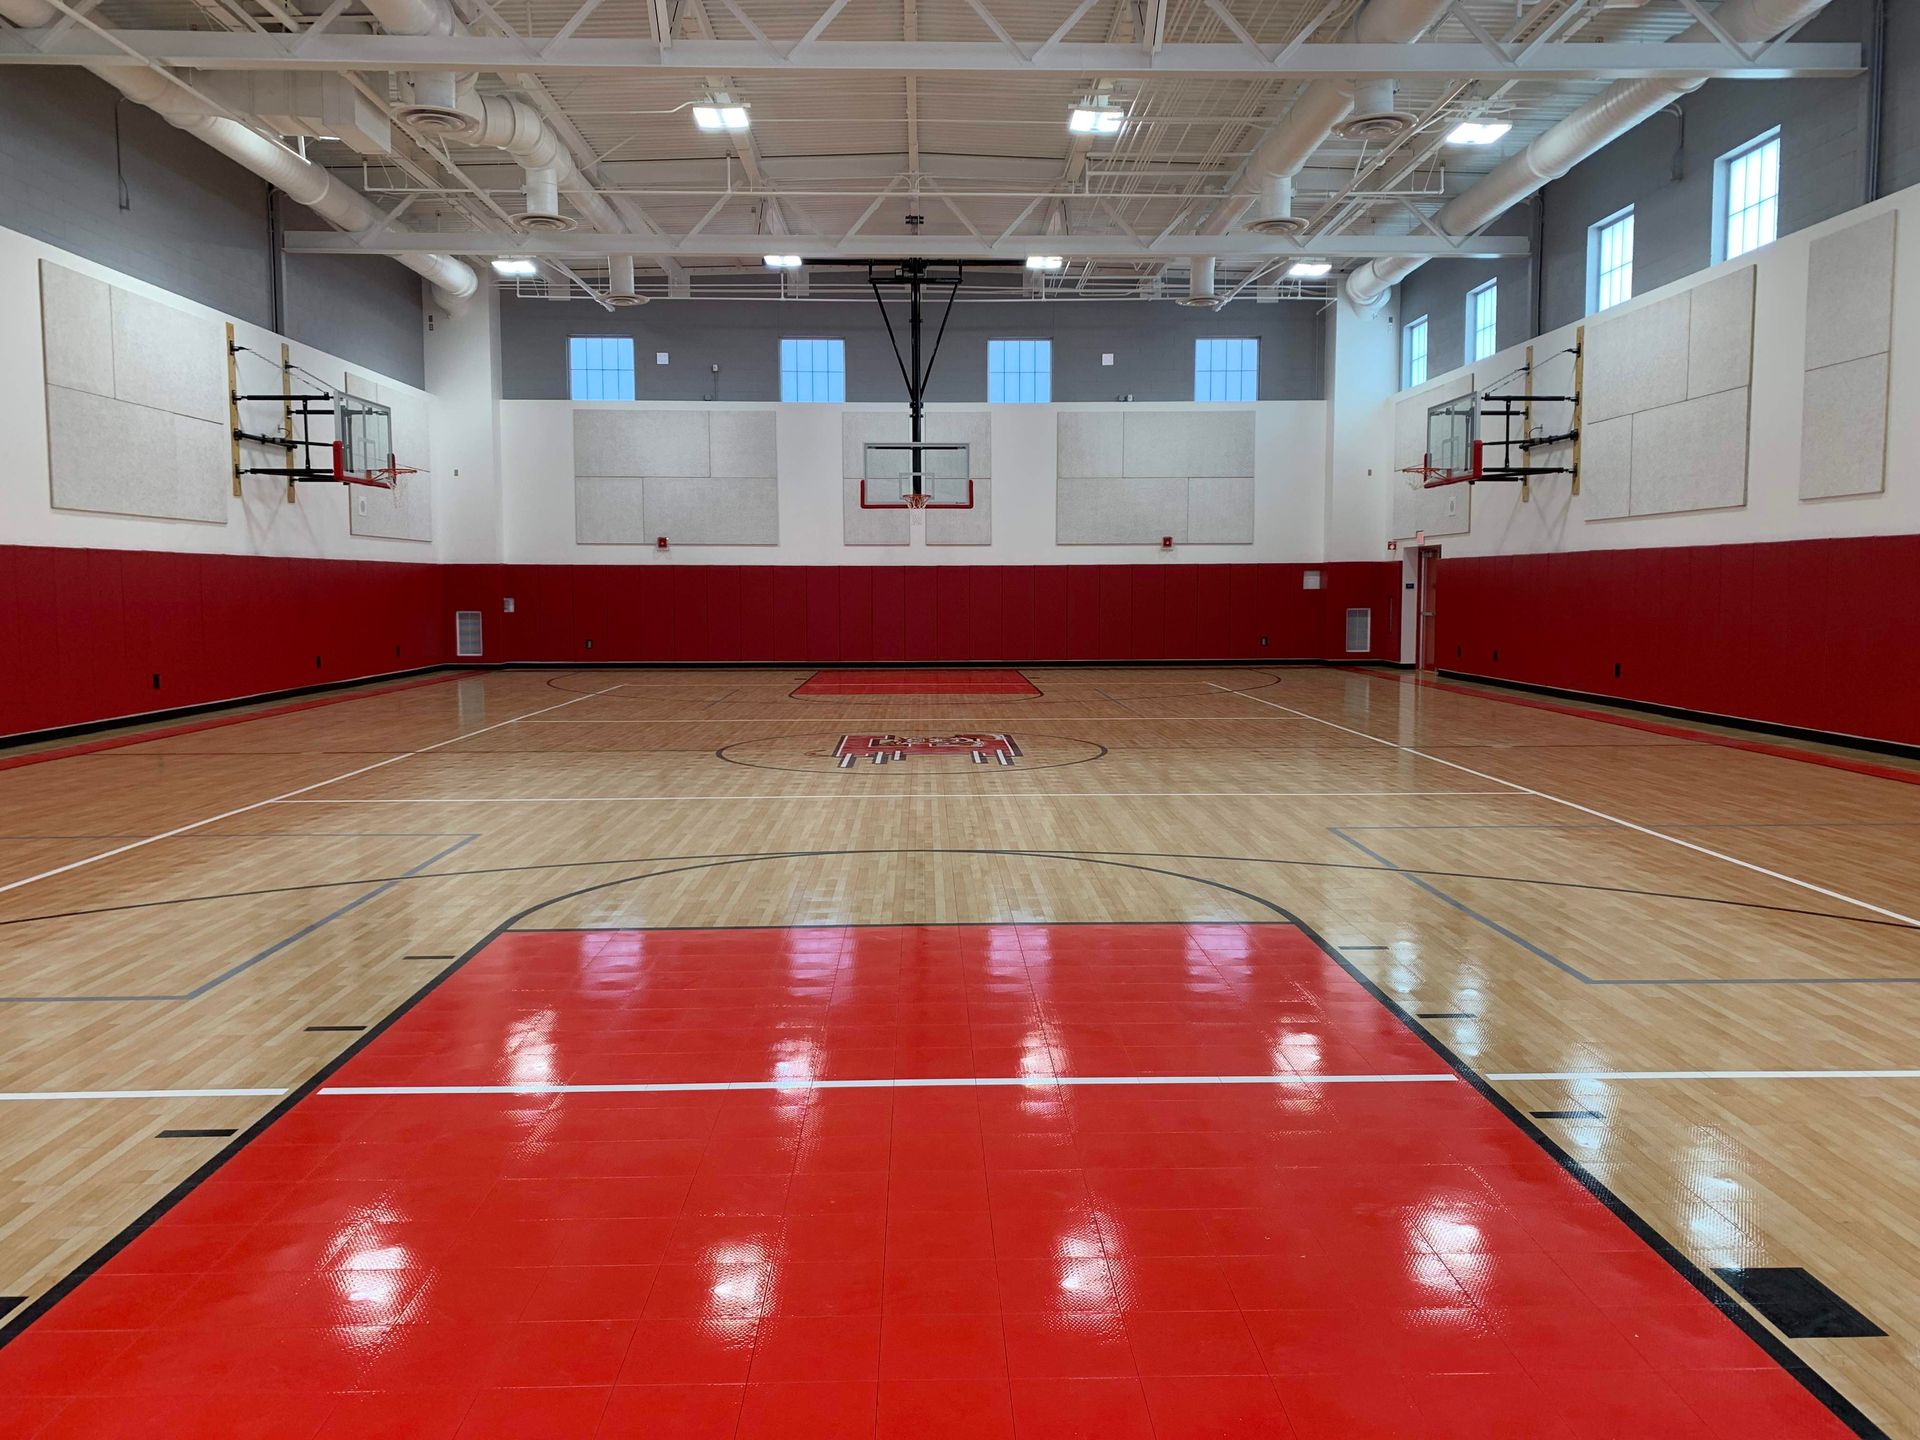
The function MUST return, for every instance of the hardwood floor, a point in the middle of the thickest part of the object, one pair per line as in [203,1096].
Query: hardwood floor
[1710,955]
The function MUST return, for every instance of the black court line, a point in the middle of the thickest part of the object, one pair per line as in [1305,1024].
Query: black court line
[1811,1380]
[1442,1014]
[332,1029]
[1799,1305]
[216,1134]
[1568,1114]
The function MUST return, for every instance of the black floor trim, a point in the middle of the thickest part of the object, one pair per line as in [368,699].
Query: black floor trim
[1798,1304]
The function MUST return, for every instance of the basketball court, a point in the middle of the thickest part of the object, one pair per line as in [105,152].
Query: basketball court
[956,720]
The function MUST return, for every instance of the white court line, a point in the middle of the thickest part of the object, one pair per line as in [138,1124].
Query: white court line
[1807,885]
[6,1095]
[1708,1075]
[918,795]
[959,1082]
[288,795]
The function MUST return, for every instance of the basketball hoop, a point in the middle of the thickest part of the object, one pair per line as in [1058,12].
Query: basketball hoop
[386,477]
[916,502]
[1432,477]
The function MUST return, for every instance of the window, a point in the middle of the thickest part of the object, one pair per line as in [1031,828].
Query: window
[1413,352]
[600,367]
[1019,372]
[1610,261]
[1226,369]
[1746,190]
[1483,320]
[813,371]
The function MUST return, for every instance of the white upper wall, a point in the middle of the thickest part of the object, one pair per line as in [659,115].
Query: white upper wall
[260,522]
[1773,510]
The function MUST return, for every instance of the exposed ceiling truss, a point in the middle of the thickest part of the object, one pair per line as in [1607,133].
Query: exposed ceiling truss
[881,128]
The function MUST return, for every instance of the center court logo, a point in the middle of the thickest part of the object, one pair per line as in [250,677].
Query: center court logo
[885,749]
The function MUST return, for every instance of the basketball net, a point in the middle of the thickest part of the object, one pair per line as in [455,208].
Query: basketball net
[917,507]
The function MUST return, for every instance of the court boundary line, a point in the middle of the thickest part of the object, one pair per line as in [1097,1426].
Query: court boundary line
[1816,1384]
[1651,833]
[81,864]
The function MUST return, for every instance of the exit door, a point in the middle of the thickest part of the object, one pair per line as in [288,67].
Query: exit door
[1429,578]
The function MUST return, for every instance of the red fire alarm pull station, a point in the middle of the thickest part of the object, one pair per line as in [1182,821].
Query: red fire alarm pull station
[1166,542]
[659,542]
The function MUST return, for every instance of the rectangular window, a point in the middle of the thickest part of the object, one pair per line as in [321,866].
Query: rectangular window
[1610,261]
[1019,372]
[1746,188]
[1413,348]
[1226,369]
[1483,320]
[813,371]
[600,367]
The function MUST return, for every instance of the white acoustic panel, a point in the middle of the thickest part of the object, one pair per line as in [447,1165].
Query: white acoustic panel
[1606,469]
[608,511]
[871,527]
[703,511]
[123,459]
[972,428]
[606,442]
[859,428]
[361,385]
[742,444]
[964,527]
[1156,443]
[168,359]
[1720,334]
[1691,456]
[1120,512]
[1088,444]
[76,325]
[1636,360]
[1850,292]
[674,443]
[1220,511]
[1843,438]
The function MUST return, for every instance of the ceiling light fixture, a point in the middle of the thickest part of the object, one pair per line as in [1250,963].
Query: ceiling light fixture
[515,267]
[713,118]
[1096,119]
[1309,269]
[1476,132]
[782,262]
[1045,262]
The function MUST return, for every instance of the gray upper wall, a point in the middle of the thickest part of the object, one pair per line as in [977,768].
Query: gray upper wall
[1664,169]
[1151,345]
[190,221]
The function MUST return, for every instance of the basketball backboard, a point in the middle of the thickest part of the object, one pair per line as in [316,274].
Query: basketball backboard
[896,473]
[364,431]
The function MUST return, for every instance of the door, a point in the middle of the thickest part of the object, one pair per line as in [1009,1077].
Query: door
[1428,594]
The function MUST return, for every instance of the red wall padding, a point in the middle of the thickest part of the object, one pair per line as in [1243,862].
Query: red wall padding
[85,631]
[1814,633]
[571,614]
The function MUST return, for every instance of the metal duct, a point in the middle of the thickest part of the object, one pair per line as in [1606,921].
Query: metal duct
[620,289]
[298,178]
[1376,114]
[1599,122]
[1199,283]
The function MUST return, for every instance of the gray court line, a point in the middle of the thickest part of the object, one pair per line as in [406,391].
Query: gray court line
[1673,825]
[266,834]
[1567,969]
[259,956]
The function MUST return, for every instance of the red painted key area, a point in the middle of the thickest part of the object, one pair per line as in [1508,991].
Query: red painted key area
[917,682]
[1301,1242]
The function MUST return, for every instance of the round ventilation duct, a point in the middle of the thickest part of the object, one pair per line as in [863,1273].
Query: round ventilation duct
[1274,214]
[1375,115]
[431,102]
[1199,283]
[620,282]
[543,203]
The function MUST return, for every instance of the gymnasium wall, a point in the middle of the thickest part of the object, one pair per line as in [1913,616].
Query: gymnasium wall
[585,614]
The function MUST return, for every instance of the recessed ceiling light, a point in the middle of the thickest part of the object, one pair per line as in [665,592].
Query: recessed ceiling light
[1096,119]
[720,117]
[1045,262]
[1475,132]
[516,267]
[1310,269]
[782,262]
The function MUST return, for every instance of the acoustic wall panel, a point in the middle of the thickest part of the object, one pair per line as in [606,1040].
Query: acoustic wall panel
[1606,469]
[871,527]
[1445,511]
[77,326]
[1636,360]
[972,428]
[1843,433]
[1120,512]
[1850,292]
[606,442]
[675,443]
[704,511]
[1691,456]
[1843,438]
[1088,444]
[1155,443]
[742,445]
[964,527]
[1220,510]
[1720,334]
[607,510]
[859,428]
[121,369]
